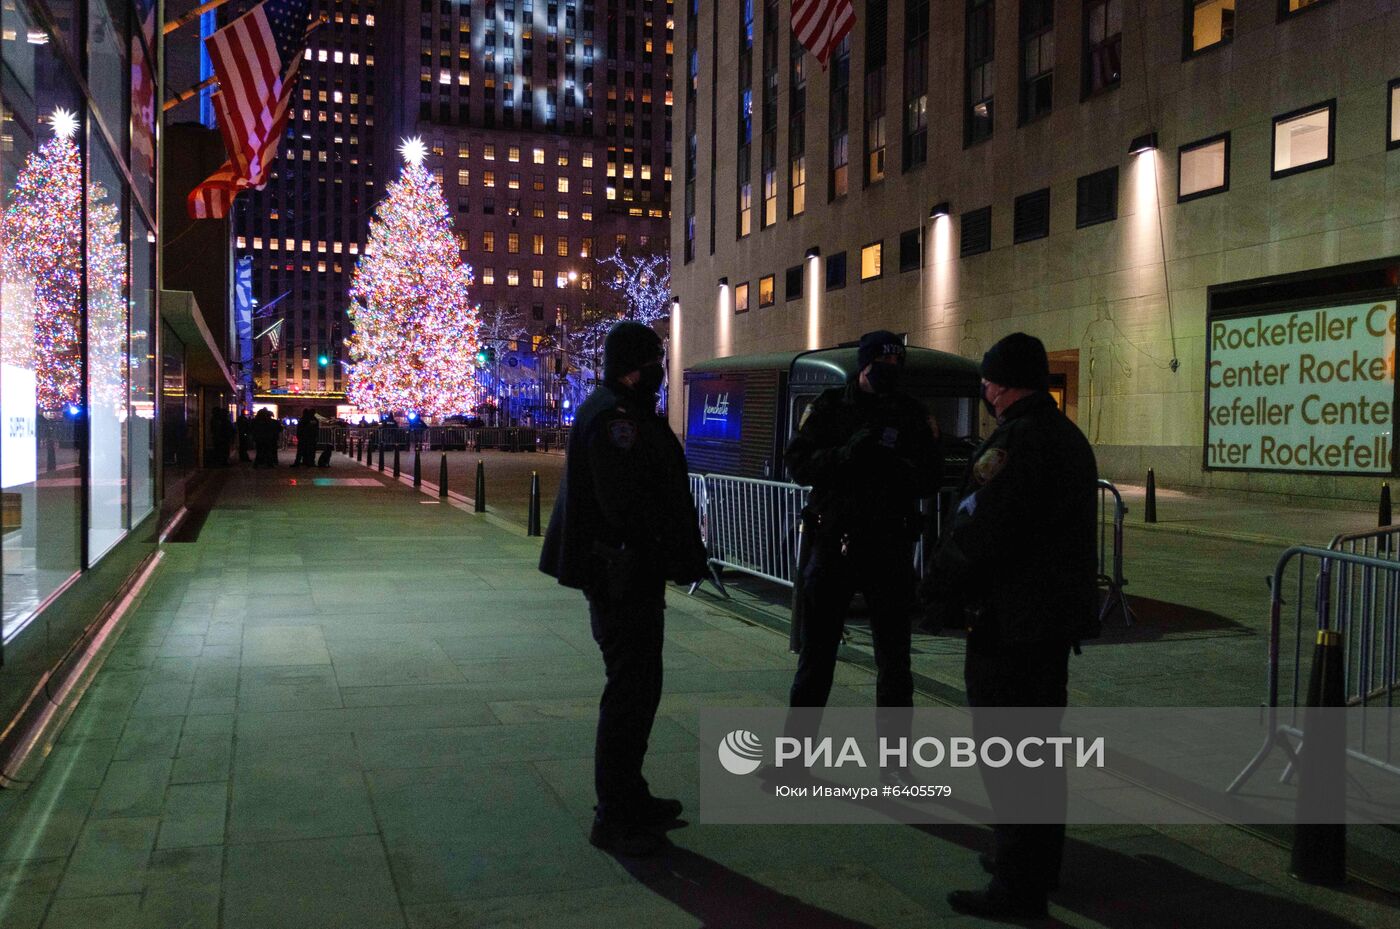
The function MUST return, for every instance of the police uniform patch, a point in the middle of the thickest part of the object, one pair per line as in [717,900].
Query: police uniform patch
[622,433]
[989,465]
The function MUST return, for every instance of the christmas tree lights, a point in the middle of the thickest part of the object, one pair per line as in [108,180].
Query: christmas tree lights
[414,328]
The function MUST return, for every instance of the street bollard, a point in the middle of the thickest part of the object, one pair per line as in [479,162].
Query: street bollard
[442,476]
[1320,836]
[396,462]
[1149,509]
[480,486]
[418,466]
[360,450]
[1383,517]
[533,522]
[51,457]
[381,457]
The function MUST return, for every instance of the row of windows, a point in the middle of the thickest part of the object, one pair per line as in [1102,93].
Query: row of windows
[537,244]
[561,278]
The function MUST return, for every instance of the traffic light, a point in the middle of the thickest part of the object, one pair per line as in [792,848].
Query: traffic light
[323,360]
[485,355]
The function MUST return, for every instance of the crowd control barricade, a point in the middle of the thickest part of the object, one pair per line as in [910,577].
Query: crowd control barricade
[1356,595]
[1381,542]
[751,525]
[447,438]
[332,435]
[1112,512]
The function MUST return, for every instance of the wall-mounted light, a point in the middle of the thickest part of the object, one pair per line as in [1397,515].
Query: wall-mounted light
[940,209]
[813,252]
[723,282]
[1144,143]
[675,299]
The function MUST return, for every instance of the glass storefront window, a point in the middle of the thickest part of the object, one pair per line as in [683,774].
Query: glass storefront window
[141,368]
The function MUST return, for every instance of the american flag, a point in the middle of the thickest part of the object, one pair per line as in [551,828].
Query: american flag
[256,59]
[820,25]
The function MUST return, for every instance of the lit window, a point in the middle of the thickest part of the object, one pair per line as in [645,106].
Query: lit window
[488,152]
[563,211]
[561,279]
[488,241]
[1394,137]
[586,249]
[464,177]
[488,178]
[514,181]
[513,277]
[765,291]
[488,276]
[1303,139]
[537,244]
[464,150]
[1203,168]
[741,298]
[538,156]
[538,210]
[513,153]
[586,215]
[1289,7]
[1209,23]
[586,159]
[537,278]
[563,185]
[513,243]
[612,192]
[563,160]
[870,261]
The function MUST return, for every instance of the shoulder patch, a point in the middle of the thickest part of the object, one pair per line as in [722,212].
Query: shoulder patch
[989,465]
[622,433]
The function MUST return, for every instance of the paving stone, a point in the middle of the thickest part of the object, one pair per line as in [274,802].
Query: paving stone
[340,883]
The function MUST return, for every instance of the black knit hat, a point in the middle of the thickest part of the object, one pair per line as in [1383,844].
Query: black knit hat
[1017,361]
[876,344]
[629,345]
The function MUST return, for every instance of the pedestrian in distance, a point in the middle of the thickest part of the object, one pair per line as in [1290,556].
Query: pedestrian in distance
[624,523]
[266,431]
[1018,570]
[308,434]
[244,429]
[870,452]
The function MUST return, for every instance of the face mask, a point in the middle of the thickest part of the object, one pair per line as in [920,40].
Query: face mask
[883,378]
[651,377]
[987,401]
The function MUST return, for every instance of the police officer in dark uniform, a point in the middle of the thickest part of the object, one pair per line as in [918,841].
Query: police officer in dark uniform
[1018,567]
[623,524]
[870,453]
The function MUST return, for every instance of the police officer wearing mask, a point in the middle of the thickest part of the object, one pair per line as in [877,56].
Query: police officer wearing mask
[1018,568]
[870,453]
[623,524]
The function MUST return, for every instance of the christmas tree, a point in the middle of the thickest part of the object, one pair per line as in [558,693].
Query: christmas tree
[41,262]
[41,236]
[414,329]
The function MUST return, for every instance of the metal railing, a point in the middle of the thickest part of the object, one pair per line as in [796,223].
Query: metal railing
[750,525]
[1111,516]
[1356,595]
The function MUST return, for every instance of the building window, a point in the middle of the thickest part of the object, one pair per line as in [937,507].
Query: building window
[1037,58]
[836,271]
[513,243]
[488,241]
[1032,216]
[562,212]
[561,246]
[1203,168]
[537,244]
[585,250]
[741,298]
[512,277]
[839,120]
[537,278]
[871,263]
[1287,8]
[743,178]
[915,83]
[488,152]
[464,177]
[976,233]
[1208,23]
[1097,199]
[538,158]
[909,250]
[488,178]
[1393,136]
[513,153]
[765,291]
[876,35]
[563,185]
[1103,45]
[745,207]
[977,121]
[797,129]
[797,176]
[792,285]
[768,158]
[488,276]
[1303,139]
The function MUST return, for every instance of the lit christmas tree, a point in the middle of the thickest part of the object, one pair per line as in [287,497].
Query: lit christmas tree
[414,329]
[41,254]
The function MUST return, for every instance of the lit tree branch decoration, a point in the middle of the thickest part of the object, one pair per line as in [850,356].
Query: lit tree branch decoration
[414,328]
[644,284]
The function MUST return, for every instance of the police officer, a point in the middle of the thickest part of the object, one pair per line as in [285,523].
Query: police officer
[870,452]
[623,524]
[1018,566]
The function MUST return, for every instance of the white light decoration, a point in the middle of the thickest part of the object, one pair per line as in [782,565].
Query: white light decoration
[64,123]
[413,150]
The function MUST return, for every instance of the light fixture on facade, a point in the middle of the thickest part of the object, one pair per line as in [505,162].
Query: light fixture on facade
[1146,142]
[723,282]
[813,252]
[943,208]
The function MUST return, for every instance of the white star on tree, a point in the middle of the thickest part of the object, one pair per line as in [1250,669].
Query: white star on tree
[413,150]
[64,123]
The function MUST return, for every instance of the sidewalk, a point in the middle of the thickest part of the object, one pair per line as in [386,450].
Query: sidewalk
[1246,518]
[349,705]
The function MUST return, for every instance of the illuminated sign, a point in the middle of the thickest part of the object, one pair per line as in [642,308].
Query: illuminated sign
[716,409]
[18,444]
[1302,390]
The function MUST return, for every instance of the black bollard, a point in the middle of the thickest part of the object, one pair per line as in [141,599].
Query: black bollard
[396,462]
[480,486]
[418,466]
[1320,836]
[442,476]
[1383,517]
[532,526]
[1149,509]
[381,457]
[51,457]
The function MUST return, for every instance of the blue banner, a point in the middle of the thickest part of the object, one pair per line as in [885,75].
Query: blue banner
[243,321]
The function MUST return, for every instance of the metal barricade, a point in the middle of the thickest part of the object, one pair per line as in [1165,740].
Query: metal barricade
[1381,542]
[1356,595]
[1111,552]
[751,525]
[332,435]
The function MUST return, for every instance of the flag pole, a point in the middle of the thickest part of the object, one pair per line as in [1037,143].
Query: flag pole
[192,15]
[184,95]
